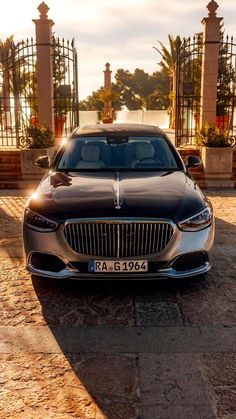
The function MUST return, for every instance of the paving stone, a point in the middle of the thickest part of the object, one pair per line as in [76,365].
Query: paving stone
[82,387]
[116,340]
[220,369]
[108,375]
[157,313]
[212,302]
[46,386]
[177,412]
[76,304]
[226,402]
[172,380]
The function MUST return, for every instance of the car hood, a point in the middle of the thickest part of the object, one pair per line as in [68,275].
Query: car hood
[169,195]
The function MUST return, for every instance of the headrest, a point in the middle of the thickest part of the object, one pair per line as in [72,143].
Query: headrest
[144,151]
[90,153]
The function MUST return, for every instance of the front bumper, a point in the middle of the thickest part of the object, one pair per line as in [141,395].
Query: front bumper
[54,243]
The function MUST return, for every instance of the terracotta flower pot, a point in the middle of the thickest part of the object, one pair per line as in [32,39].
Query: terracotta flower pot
[59,122]
[34,120]
[107,120]
[222,121]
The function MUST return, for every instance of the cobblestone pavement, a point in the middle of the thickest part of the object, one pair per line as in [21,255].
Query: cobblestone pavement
[118,350]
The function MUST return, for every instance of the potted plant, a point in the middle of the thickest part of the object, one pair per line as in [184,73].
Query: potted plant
[216,150]
[61,107]
[107,96]
[37,142]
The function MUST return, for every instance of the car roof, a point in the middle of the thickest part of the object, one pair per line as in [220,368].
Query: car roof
[116,129]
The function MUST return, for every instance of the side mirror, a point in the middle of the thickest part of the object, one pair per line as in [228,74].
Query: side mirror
[193,161]
[43,162]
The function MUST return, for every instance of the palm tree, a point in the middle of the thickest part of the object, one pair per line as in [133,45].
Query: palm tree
[5,54]
[168,66]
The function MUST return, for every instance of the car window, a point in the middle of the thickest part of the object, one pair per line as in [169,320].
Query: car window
[117,153]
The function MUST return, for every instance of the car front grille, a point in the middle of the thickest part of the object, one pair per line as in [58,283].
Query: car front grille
[118,239]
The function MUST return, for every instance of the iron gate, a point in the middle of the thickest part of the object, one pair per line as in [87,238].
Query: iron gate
[17,89]
[188,88]
[65,83]
[226,86]
[19,93]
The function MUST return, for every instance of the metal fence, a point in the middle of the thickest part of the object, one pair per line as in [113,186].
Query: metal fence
[226,86]
[19,92]
[65,83]
[188,88]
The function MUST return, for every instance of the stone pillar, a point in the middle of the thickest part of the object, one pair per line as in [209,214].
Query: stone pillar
[107,110]
[44,41]
[210,62]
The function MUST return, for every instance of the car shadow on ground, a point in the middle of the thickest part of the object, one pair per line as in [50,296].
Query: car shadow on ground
[71,305]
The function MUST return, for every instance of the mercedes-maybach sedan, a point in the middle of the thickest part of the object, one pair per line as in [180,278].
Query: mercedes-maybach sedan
[118,202]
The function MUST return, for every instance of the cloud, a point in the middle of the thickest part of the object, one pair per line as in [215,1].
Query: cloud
[122,33]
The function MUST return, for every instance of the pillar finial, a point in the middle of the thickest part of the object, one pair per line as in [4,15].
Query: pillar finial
[212,7]
[43,9]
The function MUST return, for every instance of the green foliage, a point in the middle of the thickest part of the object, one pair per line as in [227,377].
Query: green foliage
[169,57]
[61,105]
[135,91]
[107,95]
[226,78]
[38,137]
[212,136]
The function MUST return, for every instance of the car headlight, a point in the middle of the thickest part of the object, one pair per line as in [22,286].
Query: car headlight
[39,222]
[198,221]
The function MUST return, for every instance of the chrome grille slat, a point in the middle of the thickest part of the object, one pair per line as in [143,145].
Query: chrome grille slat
[118,239]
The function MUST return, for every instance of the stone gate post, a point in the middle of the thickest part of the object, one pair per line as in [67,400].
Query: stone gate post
[44,40]
[107,110]
[211,40]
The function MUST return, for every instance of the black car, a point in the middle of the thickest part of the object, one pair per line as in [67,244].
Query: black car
[118,202]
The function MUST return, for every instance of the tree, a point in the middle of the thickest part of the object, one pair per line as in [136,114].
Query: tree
[168,67]
[5,54]
[138,90]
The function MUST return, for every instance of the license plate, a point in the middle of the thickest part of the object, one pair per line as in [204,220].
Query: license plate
[127,266]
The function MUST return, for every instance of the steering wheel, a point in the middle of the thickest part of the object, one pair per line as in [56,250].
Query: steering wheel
[140,162]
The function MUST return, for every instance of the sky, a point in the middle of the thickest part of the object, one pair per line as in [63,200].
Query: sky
[121,32]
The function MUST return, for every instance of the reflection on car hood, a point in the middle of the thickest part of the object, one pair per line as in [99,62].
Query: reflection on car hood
[170,195]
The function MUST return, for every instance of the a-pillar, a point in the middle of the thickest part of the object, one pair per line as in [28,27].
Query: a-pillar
[210,63]
[107,110]
[44,42]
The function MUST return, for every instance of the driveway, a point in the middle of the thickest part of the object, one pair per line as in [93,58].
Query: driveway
[120,350]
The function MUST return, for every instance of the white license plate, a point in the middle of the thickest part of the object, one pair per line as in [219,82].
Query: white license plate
[127,266]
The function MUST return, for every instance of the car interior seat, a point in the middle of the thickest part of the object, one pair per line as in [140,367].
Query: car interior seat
[90,158]
[144,152]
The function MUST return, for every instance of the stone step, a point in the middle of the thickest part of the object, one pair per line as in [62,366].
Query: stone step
[19,184]
[9,158]
[10,167]
[189,151]
[219,184]
[198,176]
[10,175]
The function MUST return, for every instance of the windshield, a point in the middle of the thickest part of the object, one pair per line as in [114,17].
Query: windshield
[117,153]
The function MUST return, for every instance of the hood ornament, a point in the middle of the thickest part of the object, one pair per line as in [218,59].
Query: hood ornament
[118,203]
